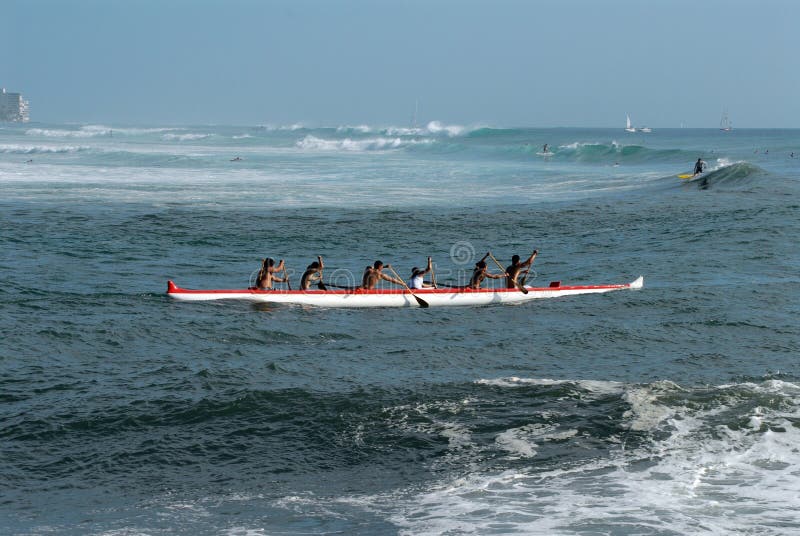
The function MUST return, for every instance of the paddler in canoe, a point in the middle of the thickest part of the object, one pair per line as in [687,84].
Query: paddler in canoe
[266,275]
[313,274]
[514,269]
[374,273]
[481,272]
[418,277]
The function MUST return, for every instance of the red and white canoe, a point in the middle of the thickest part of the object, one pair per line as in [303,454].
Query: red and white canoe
[396,297]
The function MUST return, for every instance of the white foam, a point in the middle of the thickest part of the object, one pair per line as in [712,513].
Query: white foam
[594,386]
[700,477]
[34,149]
[313,143]
[364,129]
[457,435]
[521,442]
[435,127]
[93,131]
[185,137]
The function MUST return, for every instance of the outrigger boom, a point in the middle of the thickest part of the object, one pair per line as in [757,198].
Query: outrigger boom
[397,297]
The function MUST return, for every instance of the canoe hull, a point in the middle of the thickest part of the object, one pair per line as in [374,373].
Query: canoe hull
[394,297]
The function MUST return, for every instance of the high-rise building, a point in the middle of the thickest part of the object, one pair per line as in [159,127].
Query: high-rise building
[13,107]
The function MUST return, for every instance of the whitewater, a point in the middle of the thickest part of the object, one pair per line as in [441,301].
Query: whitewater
[671,410]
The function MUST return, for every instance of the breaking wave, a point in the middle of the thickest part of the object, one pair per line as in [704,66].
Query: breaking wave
[726,174]
[185,137]
[94,131]
[42,149]
[314,143]
[674,457]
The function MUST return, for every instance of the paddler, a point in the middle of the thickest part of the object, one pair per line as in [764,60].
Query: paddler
[266,275]
[312,274]
[374,273]
[513,270]
[481,272]
[417,276]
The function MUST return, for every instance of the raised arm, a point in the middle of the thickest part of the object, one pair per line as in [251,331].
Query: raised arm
[319,259]
[530,259]
[278,268]
[428,268]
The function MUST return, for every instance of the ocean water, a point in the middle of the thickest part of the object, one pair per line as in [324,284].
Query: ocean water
[670,410]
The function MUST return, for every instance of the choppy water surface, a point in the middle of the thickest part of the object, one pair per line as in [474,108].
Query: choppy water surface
[671,410]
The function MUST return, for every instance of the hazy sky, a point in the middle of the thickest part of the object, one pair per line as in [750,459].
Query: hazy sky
[327,62]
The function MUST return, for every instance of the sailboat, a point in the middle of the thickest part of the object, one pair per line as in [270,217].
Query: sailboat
[628,127]
[725,122]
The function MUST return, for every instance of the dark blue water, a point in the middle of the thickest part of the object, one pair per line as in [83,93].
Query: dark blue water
[670,410]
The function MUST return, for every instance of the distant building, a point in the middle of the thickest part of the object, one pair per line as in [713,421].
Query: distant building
[13,107]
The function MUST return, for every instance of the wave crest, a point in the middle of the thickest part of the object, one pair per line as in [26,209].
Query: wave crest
[41,149]
[313,143]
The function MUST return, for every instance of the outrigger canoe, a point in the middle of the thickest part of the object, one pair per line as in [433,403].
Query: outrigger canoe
[396,297]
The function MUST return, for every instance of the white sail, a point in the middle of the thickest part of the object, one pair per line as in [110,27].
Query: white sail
[628,127]
[725,122]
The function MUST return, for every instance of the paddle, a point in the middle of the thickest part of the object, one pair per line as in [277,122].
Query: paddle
[516,283]
[422,303]
[433,274]
[286,277]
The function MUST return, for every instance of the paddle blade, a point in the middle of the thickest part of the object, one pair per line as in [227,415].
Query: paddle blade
[422,303]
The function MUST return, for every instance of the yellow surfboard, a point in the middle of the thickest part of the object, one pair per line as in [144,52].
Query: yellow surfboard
[686,176]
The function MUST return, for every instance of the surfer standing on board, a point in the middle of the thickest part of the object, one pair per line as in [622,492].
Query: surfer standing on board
[699,166]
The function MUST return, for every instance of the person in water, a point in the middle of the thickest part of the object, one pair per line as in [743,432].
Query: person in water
[266,275]
[514,269]
[699,166]
[312,274]
[417,276]
[544,149]
[481,272]
[374,273]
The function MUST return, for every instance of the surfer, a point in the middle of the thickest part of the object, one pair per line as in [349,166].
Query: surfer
[266,275]
[513,270]
[374,273]
[545,147]
[481,272]
[417,276]
[237,159]
[699,167]
[313,273]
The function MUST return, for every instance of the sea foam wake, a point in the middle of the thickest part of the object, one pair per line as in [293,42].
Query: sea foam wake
[698,454]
